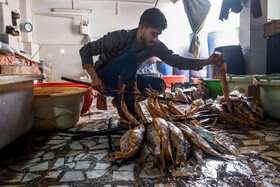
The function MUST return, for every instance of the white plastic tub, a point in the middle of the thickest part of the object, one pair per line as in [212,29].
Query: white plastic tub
[16,100]
[270,98]
[57,107]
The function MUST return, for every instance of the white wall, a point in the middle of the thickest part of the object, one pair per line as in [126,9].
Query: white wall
[273,11]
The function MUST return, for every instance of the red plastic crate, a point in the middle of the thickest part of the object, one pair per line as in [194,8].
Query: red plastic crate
[173,79]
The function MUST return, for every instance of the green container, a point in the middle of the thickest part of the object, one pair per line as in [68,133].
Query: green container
[214,87]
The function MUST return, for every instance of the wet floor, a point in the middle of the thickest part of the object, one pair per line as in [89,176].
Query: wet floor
[54,159]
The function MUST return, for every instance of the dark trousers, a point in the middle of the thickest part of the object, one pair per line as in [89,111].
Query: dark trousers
[126,65]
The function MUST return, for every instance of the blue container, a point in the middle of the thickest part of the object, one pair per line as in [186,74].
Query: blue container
[234,58]
[147,68]
[164,68]
[176,71]
[215,39]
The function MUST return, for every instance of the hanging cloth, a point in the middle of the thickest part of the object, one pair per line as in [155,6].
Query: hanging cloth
[197,11]
[256,8]
[233,5]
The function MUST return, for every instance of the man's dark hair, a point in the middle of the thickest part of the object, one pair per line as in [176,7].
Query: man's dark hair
[154,18]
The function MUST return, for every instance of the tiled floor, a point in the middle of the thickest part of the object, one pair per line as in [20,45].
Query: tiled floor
[54,159]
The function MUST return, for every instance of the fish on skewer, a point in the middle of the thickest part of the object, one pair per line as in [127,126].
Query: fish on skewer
[199,141]
[134,143]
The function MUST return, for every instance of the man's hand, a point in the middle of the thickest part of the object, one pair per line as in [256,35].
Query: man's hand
[96,82]
[216,58]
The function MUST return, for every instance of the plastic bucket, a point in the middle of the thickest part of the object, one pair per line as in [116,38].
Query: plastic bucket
[215,39]
[88,97]
[214,86]
[234,58]
[164,68]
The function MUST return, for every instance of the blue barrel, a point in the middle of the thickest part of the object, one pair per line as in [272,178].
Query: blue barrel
[234,58]
[176,71]
[164,68]
[147,68]
[204,53]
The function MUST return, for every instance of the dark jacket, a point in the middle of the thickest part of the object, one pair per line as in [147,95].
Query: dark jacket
[116,43]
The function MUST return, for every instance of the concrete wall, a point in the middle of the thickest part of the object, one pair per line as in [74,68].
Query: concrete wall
[273,9]
[251,39]
[61,41]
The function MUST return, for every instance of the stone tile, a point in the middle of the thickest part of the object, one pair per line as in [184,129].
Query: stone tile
[129,167]
[70,176]
[53,174]
[257,133]
[181,172]
[90,143]
[71,165]
[252,149]
[76,146]
[29,177]
[67,138]
[165,185]
[271,160]
[59,162]
[272,153]
[55,137]
[40,167]
[58,146]
[150,172]
[25,164]
[82,165]
[80,156]
[63,185]
[271,138]
[100,155]
[21,167]
[11,177]
[96,173]
[275,180]
[240,136]
[70,159]
[55,142]
[48,156]
[102,166]
[73,153]
[107,185]
[251,142]
[85,157]
[35,154]
[100,146]
[123,176]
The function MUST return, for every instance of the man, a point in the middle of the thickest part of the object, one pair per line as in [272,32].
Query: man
[122,53]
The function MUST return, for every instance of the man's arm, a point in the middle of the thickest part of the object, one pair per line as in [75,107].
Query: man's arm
[107,43]
[167,56]
[96,82]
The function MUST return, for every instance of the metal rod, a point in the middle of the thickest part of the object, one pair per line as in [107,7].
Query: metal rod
[84,134]
[125,92]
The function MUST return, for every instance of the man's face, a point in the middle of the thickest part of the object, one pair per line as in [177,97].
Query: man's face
[149,36]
